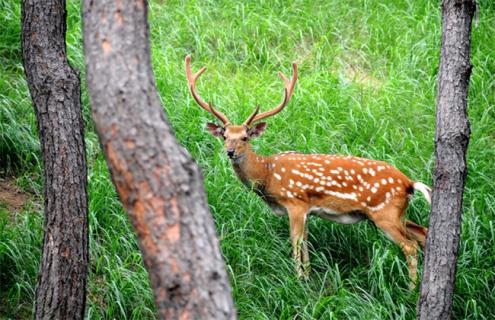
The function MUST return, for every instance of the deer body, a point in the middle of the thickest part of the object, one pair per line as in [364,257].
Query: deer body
[343,189]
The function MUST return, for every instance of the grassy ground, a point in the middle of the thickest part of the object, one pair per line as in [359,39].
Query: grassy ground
[367,87]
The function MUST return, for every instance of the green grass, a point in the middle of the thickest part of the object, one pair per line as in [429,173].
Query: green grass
[367,86]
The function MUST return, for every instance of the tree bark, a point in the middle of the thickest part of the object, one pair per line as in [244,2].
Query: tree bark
[157,181]
[451,141]
[55,89]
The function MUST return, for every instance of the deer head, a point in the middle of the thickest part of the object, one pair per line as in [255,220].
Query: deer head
[237,137]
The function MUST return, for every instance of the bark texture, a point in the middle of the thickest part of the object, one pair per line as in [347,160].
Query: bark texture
[55,90]
[451,141]
[157,181]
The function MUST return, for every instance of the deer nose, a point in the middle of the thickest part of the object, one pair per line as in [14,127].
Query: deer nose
[230,153]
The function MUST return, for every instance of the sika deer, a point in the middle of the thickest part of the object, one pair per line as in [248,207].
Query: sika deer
[343,189]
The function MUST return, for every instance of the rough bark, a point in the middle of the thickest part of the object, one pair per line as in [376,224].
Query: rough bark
[55,89]
[157,181]
[451,141]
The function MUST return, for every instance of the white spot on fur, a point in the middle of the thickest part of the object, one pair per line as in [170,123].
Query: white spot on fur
[347,196]
[378,207]
[277,176]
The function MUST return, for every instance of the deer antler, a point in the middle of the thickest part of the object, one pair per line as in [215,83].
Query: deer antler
[191,79]
[289,88]
[251,117]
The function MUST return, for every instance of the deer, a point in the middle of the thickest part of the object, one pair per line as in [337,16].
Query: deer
[341,188]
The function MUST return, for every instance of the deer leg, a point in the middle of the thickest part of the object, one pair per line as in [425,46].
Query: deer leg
[394,229]
[297,220]
[305,257]
[416,232]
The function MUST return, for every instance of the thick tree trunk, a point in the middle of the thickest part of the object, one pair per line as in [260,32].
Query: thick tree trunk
[157,181]
[451,141]
[55,90]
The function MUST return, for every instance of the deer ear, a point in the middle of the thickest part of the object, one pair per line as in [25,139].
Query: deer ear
[215,130]
[257,130]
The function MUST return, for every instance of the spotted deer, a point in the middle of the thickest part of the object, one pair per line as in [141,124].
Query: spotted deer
[343,189]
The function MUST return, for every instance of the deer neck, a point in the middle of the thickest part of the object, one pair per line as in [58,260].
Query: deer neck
[252,169]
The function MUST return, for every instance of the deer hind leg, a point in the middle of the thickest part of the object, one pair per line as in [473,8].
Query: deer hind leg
[298,234]
[416,232]
[390,223]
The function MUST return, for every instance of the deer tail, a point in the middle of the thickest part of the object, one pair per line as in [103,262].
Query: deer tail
[425,190]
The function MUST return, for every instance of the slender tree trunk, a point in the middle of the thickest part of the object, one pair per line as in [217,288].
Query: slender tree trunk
[157,181]
[451,141]
[55,90]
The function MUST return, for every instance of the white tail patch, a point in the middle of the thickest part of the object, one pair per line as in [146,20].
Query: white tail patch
[425,190]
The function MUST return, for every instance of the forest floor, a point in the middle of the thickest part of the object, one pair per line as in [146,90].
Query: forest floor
[12,197]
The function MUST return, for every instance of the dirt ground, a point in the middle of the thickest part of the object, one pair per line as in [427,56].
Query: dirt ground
[11,197]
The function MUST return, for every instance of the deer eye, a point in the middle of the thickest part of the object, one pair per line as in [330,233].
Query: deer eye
[244,139]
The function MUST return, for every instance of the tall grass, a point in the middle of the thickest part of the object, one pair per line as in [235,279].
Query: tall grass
[367,87]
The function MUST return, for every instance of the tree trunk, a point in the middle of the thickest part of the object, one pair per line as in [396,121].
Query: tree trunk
[451,141]
[55,90]
[157,181]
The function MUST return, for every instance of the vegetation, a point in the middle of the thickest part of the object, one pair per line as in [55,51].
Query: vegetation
[367,87]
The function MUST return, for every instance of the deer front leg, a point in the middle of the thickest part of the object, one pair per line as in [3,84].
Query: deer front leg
[305,252]
[297,220]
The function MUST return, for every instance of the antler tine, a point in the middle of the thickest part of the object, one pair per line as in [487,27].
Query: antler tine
[251,117]
[288,90]
[191,79]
